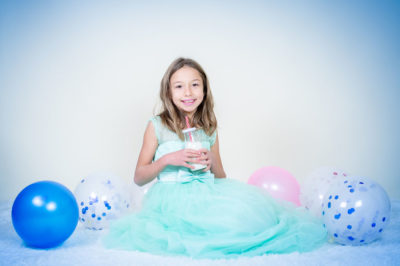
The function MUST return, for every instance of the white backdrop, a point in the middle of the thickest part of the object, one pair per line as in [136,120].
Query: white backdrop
[296,85]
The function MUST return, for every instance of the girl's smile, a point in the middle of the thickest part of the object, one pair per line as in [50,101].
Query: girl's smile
[189,102]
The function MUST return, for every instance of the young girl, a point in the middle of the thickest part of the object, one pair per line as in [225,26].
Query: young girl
[201,213]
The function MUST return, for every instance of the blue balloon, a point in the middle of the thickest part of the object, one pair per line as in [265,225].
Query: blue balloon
[45,214]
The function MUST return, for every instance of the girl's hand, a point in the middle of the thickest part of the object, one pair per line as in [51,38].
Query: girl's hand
[183,157]
[205,158]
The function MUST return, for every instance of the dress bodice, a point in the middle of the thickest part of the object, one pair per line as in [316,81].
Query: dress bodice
[169,141]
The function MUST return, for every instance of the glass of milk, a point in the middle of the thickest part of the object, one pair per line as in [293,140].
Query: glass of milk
[193,141]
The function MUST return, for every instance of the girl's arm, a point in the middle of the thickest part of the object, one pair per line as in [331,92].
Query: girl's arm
[147,170]
[216,164]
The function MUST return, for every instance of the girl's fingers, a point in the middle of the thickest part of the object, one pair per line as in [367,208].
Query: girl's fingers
[200,156]
[203,157]
[208,163]
[204,160]
[203,150]
[193,160]
[193,154]
[191,151]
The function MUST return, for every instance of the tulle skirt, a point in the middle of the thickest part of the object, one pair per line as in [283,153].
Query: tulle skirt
[223,219]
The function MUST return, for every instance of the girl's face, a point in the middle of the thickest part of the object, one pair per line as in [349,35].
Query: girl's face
[186,88]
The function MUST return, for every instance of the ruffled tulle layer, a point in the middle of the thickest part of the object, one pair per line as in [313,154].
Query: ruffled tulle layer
[223,219]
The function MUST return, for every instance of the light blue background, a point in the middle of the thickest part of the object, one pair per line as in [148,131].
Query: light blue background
[297,84]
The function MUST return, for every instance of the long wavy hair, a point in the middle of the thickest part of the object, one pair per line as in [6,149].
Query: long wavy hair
[172,117]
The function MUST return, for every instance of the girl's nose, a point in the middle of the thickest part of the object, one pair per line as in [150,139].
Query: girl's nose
[188,91]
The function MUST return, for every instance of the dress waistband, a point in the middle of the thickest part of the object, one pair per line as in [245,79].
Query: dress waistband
[186,177]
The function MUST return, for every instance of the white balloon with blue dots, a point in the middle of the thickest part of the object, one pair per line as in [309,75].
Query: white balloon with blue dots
[356,211]
[315,186]
[101,197]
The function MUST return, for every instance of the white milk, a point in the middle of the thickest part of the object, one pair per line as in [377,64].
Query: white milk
[192,141]
[195,145]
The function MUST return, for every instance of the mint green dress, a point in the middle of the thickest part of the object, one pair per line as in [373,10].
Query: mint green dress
[197,215]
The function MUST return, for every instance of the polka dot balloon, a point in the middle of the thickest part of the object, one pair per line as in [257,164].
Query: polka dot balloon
[101,197]
[356,211]
[313,190]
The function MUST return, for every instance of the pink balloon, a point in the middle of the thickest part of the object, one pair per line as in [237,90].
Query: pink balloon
[279,183]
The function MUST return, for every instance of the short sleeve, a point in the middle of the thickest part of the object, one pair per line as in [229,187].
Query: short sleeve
[213,137]
[156,123]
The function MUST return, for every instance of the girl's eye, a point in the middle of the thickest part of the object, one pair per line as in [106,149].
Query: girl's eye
[178,86]
[195,84]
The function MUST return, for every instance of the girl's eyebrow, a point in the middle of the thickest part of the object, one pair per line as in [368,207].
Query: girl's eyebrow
[182,81]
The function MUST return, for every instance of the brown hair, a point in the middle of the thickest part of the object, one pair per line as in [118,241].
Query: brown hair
[172,117]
